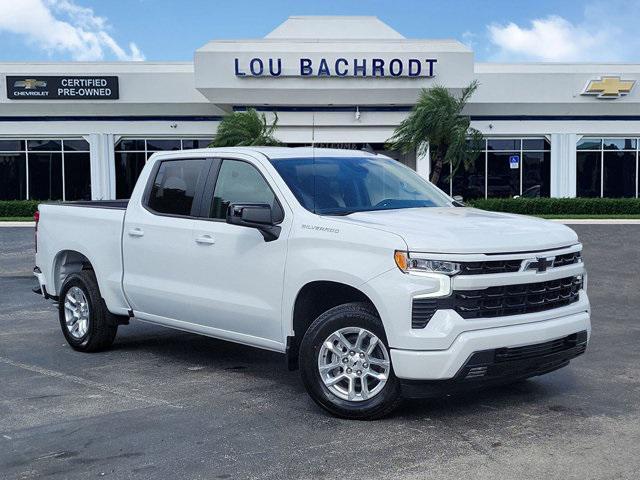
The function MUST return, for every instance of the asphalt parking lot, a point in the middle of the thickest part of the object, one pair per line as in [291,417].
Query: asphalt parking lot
[164,404]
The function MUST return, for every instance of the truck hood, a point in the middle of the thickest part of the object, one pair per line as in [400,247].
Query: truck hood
[467,230]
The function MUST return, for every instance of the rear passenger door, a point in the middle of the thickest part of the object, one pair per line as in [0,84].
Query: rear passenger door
[239,275]
[158,240]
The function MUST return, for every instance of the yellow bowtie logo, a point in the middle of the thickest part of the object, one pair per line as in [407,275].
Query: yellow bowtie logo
[30,84]
[609,87]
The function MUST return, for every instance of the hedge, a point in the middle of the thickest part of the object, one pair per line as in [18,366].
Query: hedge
[18,208]
[525,206]
[560,206]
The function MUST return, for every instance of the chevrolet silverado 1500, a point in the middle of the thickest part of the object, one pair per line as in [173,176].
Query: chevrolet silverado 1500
[368,278]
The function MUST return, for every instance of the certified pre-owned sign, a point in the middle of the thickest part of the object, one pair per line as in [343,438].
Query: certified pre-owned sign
[62,88]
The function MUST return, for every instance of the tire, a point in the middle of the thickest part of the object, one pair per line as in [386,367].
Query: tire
[380,398]
[96,330]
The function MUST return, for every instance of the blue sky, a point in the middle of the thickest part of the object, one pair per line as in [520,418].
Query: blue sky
[161,30]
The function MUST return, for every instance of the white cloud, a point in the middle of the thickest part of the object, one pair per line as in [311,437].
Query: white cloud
[62,26]
[596,37]
[551,39]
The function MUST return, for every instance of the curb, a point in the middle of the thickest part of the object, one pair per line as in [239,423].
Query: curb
[597,221]
[17,224]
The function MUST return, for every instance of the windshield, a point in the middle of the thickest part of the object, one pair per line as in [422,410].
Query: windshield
[340,186]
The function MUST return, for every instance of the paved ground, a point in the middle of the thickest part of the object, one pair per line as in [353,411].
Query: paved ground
[163,404]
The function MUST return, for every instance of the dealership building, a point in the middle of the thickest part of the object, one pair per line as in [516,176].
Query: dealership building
[84,130]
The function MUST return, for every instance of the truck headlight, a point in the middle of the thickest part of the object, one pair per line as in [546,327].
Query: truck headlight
[422,266]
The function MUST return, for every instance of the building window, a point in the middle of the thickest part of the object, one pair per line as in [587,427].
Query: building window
[506,167]
[607,167]
[13,176]
[131,155]
[45,169]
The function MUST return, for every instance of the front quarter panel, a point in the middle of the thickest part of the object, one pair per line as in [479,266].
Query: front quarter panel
[327,249]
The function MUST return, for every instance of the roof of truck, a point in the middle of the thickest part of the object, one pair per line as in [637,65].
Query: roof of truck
[277,153]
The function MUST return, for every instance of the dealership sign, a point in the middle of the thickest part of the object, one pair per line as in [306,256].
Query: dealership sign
[62,88]
[336,67]
[609,87]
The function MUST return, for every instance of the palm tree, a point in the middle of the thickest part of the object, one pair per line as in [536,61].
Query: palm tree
[436,122]
[242,129]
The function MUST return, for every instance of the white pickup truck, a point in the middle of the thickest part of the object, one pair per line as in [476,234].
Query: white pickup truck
[368,278]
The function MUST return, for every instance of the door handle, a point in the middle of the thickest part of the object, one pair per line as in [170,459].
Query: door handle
[205,240]
[136,232]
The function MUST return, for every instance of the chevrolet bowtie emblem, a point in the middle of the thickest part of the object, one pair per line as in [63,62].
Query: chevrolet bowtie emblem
[609,87]
[30,84]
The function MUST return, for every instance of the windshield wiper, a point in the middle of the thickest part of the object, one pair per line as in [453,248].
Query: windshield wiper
[339,213]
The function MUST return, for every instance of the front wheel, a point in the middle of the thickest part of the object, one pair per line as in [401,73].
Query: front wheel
[84,318]
[345,363]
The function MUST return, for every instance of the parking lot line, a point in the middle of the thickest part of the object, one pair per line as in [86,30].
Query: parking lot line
[120,392]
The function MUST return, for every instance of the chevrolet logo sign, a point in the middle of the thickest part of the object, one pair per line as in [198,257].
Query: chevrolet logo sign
[30,84]
[609,87]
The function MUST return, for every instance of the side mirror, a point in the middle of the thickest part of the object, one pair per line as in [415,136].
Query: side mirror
[458,201]
[254,215]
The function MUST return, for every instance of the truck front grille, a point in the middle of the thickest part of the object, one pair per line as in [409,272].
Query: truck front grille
[511,266]
[500,301]
[517,299]
[492,266]
[567,259]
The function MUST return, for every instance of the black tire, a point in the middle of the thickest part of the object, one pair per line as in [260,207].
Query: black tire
[101,329]
[347,315]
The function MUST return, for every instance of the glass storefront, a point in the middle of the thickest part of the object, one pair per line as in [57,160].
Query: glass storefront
[607,167]
[59,168]
[506,167]
[45,169]
[131,154]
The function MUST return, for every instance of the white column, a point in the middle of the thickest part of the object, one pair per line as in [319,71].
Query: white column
[563,164]
[423,164]
[103,169]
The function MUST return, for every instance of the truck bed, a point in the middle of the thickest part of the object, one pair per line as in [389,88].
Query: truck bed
[92,229]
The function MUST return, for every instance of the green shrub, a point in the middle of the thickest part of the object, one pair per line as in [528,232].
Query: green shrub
[525,206]
[18,208]
[560,206]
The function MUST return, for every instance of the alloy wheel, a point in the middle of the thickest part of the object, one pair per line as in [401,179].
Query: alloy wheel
[354,364]
[76,312]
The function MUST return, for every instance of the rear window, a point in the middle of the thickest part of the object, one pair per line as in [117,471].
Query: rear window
[175,186]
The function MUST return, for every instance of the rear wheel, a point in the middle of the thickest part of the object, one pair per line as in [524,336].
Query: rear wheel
[86,323]
[346,365]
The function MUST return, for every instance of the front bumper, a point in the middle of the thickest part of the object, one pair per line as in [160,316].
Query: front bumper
[446,364]
[499,366]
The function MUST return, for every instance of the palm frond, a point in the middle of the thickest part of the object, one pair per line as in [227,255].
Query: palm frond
[437,120]
[248,128]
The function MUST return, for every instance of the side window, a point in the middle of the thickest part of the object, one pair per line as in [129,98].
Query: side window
[176,184]
[239,182]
